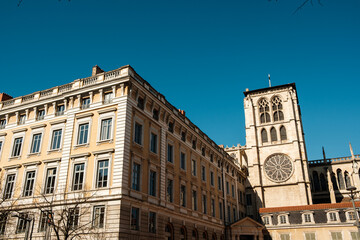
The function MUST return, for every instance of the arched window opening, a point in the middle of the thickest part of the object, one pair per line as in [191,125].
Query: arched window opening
[316,181]
[347,179]
[323,182]
[264,137]
[169,231]
[273,134]
[277,109]
[194,234]
[264,111]
[340,179]
[334,183]
[183,233]
[283,133]
[205,235]
[214,237]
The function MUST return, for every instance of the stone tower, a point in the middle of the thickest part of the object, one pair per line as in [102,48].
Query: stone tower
[275,149]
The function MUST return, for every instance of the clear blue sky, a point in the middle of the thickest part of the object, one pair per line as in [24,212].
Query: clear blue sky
[201,55]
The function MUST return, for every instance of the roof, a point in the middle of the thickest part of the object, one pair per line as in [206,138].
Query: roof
[270,88]
[309,207]
[247,222]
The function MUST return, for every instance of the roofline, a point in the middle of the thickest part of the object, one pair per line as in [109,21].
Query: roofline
[270,88]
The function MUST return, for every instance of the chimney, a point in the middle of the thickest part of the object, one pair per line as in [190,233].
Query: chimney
[96,70]
[182,112]
[4,97]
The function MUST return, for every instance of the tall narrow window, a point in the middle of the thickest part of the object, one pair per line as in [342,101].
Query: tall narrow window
[183,136]
[227,188]
[182,160]
[99,216]
[323,182]
[50,180]
[17,147]
[102,177]
[277,109]
[83,133]
[219,183]
[152,188]
[340,179]
[194,200]
[203,173]
[169,190]
[310,236]
[264,111]
[43,221]
[213,207]
[283,133]
[135,218]
[156,114]
[136,177]
[171,127]
[170,153]
[22,223]
[193,167]
[78,176]
[273,134]
[138,133]
[35,145]
[56,139]
[9,186]
[264,137]
[152,222]
[347,179]
[153,142]
[105,132]
[336,236]
[204,204]
[183,195]
[220,210]
[212,178]
[74,215]
[29,184]
[140,103]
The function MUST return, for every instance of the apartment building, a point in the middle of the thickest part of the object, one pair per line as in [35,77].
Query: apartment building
[125,162]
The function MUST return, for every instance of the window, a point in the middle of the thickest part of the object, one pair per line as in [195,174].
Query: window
[194,144]
[183,195]
[219,182]
[248,199]
[152,222]
[105,132]
[277,107]
[171,127]
[22,119]
[17,147]
[40,114]
[307,218]
[193,167]
[234,214]
[273,134]
[153,142]
[211,158]
[74,214]
[108,96]
[203,152]
[136,177]
[203,173]
[204,204]
[220,210]
[85,103]
[152,188]
[135,218]
[60,109]
[283,219]
[102,176]
[56,139]
[22,222]
[194,200]
[43,221]
[170,153]
[264,137]
[283,133]
[9,186]
[78,176]
[336,236]
[227,188]
[169,190]
[310,236]
[183,136]
[332,216]
[156,114]
[182,160]
[50,180]
[138,133]
[29,184]
[2,123]
[350,216]
[212,207]
[355,235]
[229,213]
[266,220]
[347,179]
[36,141]
[284,236]
[264,111]
[83,133]
[140,103]
[99,216]
[233,190]
[211,178]
[340,179]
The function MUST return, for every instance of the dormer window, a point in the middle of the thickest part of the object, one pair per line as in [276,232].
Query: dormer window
[264,111]
[267,220]
[333,216]
[277,109]
[307,217]
[140,103]
[350,216]
[283,219]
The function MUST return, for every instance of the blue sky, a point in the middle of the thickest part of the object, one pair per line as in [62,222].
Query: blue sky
[201,55]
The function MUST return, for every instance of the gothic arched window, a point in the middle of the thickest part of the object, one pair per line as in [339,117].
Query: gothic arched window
[347,180]
[264,111]
[273,134]
[316,181]
[334,183]
[323,182]
[340,179]
[264,137]
[277,109]
[283,133]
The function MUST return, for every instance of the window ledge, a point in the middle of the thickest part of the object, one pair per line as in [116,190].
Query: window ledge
[81,145]
[33,154]
[54,150]
[13,158]
[138,145]
[105,141]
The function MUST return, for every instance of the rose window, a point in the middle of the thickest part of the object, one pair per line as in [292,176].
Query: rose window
[278,167]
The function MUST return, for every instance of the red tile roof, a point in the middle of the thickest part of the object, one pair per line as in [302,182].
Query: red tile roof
[309,207]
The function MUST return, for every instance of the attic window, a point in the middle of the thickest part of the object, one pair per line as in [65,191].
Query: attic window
[171,127]
[183,136]
[140,103]
[194,144]
[156,114]
[203,151]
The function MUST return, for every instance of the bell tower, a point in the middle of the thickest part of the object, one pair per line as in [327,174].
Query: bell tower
[275,148]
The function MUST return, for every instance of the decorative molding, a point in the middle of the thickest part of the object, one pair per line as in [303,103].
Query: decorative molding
[112,109]
[19,130]
[31,163]
[110,150]
[3,134]
[52,160]
[84,115]
[58,122]
[87,154]
[39,126]
[12,166]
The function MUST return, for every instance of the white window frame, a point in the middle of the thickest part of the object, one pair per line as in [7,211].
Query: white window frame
[41,131]
[9,172]
[52,164]
[136,160]
[101,157]
[15,136]
[286,215]
[2,140]
[336,212]
[334,231]
[81,121]
[104,116]
[311,217]
[93,212]
[141,122]
[269,216]
[60,126]
[139,221]
[29,168]
[75,161]
[347,214]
